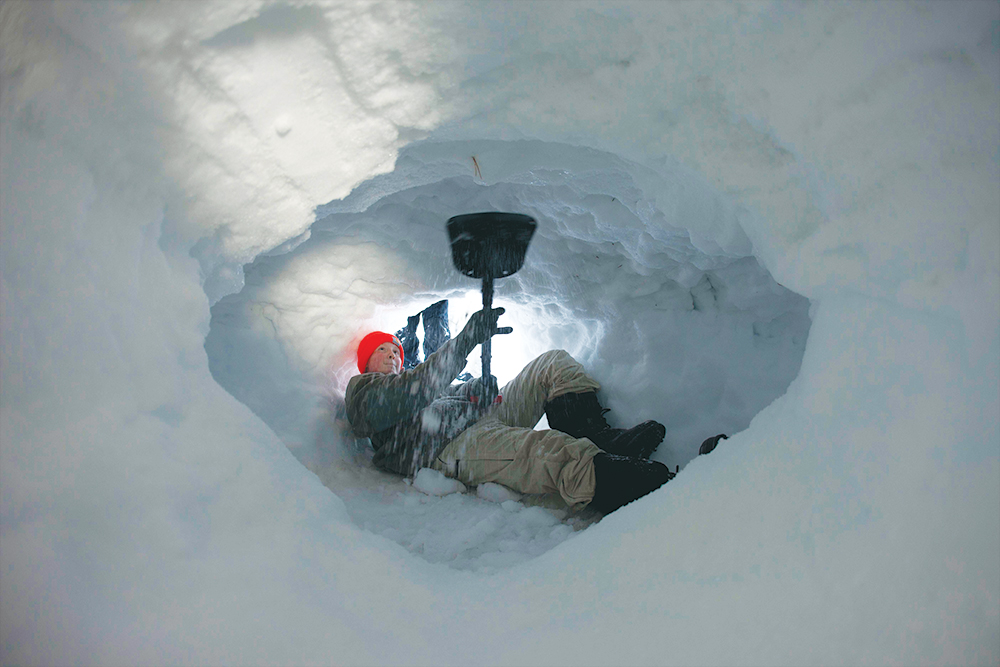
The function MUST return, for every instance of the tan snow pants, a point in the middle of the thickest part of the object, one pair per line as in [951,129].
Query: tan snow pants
[502,447]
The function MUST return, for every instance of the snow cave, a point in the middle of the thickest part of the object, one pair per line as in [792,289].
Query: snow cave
[702,339]
[779,221]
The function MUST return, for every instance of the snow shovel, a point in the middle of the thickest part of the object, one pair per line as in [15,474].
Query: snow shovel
[489,245]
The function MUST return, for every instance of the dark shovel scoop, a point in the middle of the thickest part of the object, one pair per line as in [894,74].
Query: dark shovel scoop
[489,245]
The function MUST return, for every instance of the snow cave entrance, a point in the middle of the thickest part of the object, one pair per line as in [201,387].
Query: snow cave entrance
[645,277]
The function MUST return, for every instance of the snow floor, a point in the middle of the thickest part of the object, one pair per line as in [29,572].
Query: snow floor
[483,529]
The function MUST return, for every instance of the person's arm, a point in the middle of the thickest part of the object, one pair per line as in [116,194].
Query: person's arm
[381,401]
[386,400]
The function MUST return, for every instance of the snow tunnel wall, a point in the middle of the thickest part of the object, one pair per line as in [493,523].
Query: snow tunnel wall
[149,150]
[700,338]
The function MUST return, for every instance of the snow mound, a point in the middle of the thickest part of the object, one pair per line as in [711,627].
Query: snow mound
[496,493]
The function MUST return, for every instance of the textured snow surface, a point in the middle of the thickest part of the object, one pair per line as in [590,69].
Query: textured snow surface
[776,220]
[439,520]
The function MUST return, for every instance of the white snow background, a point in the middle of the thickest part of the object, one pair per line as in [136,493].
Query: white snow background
[781,221]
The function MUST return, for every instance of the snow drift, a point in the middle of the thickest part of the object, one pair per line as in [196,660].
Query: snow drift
[838,157]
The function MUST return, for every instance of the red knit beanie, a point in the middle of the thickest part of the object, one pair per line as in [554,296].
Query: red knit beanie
[370,342]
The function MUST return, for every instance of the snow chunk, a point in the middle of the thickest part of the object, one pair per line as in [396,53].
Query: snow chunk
[497,493]
[434,483]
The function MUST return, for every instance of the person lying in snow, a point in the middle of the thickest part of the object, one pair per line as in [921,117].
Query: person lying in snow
[417,419]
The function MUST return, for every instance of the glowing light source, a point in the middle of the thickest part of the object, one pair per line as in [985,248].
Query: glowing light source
[510,351]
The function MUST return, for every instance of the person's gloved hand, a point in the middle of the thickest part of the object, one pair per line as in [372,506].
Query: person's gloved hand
[482,326]
[484,391]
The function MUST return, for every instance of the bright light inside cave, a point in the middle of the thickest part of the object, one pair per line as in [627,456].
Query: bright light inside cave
[510,352]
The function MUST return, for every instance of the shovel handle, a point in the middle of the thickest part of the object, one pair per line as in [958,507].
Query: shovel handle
[487,305]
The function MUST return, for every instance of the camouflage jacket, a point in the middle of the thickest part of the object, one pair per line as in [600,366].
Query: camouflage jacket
[412,416]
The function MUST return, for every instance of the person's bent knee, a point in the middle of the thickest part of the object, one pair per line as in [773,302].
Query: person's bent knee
[555,356]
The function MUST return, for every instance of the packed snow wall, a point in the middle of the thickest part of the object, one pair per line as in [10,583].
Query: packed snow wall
[150,150]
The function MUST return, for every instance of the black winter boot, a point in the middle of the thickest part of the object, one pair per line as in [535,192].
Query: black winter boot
[621,479]
[411,345]
[581,416]
[436,331]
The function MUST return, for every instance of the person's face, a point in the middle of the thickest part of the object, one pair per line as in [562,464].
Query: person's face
[385,359]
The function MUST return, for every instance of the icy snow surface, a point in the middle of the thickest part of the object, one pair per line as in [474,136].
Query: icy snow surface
[776,220]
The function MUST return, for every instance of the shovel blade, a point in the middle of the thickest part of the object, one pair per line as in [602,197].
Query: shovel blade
[491,244]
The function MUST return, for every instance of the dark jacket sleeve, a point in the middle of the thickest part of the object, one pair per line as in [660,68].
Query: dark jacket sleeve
[377,401]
